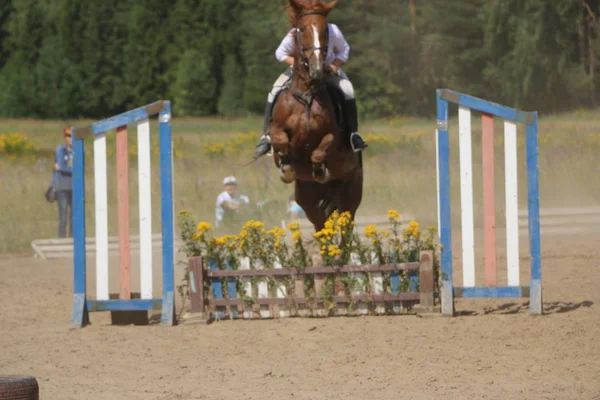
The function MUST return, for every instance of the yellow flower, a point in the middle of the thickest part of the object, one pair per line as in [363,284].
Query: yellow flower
[344,220]
[393,215]
[329,224]
[203,227]
[296,236]
[258,225]
[294,226]
[276,232]
[220,241]
[196,236]
[333,250]
[370,231]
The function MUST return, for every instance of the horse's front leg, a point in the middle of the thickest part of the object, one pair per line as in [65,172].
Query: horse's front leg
[318,158]
[281,144]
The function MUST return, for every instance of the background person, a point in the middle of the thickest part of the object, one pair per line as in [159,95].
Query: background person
[294,210]
[229,202]
[63,183]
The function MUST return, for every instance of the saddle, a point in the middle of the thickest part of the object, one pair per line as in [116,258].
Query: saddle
[337,98]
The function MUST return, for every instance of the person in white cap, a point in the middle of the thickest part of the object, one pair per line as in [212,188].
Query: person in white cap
[229,201]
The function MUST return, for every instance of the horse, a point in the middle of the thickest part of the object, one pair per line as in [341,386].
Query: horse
[307,141]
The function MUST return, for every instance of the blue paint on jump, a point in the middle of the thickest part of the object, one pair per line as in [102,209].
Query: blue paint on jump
[217,290]
[530,119]
[487,107]
[167,213]
[125,118]
[489,292]
[232,291]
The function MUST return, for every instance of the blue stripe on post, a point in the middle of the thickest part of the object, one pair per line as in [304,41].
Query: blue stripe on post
[489,292]
[217,291]
[126,118]
[79,315]
[487,107]
[395,283]
[535,303]
[413,279]
[232,292]
[166,191]
[445,209]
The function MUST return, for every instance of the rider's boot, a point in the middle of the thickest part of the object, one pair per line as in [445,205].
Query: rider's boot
[264,145]
[356,141]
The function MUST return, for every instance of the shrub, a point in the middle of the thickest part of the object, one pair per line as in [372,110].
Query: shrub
[16,144]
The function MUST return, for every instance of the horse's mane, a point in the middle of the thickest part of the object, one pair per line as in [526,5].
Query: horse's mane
[293,13]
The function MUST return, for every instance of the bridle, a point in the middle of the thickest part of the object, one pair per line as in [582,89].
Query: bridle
[307,97]
[300,29]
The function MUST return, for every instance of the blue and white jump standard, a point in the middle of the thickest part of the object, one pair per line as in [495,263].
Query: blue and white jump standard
[98,131]
[511,116]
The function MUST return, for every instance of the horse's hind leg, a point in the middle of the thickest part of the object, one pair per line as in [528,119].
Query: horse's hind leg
[309,195]
[281,143]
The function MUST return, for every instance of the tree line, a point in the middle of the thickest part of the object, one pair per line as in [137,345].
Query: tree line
[88,58]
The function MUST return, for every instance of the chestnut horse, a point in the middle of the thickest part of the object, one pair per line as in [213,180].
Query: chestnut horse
[308,146]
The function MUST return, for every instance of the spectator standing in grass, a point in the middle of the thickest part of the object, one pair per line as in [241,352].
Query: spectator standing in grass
[229,202]
[63,183]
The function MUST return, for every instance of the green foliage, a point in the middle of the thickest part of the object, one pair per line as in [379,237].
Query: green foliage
[195,87]
[72,58]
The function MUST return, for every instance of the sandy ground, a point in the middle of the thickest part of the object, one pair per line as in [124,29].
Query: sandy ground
[492,350]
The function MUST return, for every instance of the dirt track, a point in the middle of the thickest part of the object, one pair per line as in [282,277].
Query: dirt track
[494,350]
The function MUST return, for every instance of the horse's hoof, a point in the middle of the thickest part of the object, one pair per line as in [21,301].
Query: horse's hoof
[287,174]
[321,175]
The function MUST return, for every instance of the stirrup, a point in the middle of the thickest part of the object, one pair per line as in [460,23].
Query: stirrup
[263,147]
[359,149]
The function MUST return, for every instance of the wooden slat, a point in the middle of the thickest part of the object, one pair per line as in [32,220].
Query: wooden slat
[410,296]
[145,207]
[265,272]
[247,284]
[101,215]
[466,196]
[123,212]
[512,203]
[489,195]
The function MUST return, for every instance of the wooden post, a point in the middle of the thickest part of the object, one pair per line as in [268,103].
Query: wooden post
[426,279]
[196,284]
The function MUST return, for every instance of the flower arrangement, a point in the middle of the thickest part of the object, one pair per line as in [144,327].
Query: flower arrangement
[337,244]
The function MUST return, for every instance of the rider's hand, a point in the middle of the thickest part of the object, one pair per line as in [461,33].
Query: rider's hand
[333,69]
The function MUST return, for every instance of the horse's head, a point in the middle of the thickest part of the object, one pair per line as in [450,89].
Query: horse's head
[312,34]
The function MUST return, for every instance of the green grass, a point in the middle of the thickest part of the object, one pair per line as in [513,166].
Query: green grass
[401,176]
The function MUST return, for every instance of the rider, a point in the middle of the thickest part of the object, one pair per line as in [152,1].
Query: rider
[337,54]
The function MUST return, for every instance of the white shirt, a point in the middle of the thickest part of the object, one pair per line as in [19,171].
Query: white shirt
[226,197]
[338,47]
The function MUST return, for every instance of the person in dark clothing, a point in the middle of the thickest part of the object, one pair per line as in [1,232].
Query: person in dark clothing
[63,183]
